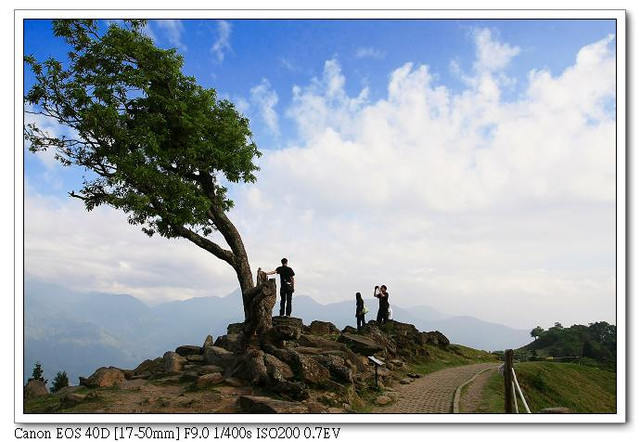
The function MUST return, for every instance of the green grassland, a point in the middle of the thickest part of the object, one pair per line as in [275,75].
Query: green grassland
[547,384]
[453,356]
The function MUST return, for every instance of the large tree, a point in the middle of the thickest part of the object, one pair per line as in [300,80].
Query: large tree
[158,146]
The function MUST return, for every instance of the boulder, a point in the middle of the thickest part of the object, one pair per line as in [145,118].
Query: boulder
[173,362]
[311,371]
[219,356]
[205,369]
[262,404]
[436,338]
[188,350]
[235,328]
[250,366]
[71,399]
[285,328]
[195,359]
[149,367]
[338,368]
[208,342]
[323,328]
[104,377]
[277,369]
[35,389]
[309,350]
[306,340]
[360,344]
[383,400]
[208,380]
[67,390]
[232,342]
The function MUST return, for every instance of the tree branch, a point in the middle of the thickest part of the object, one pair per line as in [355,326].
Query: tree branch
[206,244]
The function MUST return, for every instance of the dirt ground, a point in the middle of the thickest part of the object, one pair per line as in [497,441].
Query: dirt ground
[471,398]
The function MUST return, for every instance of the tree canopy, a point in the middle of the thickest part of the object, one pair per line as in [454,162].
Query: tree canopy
[158,145]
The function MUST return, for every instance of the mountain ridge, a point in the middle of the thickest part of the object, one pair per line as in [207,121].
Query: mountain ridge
[78,331]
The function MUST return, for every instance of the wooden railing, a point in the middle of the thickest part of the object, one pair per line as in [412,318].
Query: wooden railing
[511,385]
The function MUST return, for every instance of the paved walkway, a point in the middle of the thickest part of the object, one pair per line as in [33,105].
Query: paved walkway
[433,393]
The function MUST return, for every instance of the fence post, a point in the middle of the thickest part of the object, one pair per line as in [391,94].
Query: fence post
[509,405]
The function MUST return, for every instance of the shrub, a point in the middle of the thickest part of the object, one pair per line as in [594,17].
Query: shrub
[60,381]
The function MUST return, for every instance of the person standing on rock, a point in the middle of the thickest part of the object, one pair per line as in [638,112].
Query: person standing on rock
[360,311]
[287,286]
[383,308]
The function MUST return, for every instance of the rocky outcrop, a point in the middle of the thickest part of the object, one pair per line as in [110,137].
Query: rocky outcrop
[285,328]
[361,344]
[263,404]
[149,368]
[287,359]
[219,356]
[104,377]
[436,338]
[188,350]
[323,328]
[35,389]
[173,362]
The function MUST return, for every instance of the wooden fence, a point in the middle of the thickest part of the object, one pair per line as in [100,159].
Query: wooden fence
[511,386]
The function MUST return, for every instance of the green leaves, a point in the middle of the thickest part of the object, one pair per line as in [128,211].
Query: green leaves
[154,139]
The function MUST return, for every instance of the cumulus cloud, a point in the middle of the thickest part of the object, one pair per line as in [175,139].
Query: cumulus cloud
[503,201]
[222,45]
[491,54]
[456,199]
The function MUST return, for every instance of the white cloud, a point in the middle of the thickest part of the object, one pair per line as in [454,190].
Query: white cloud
[492,55]
[172,30]
[222,44]
[324,103]
[370,53]
[509,205]
[265,99]
[100,251]
[484,192]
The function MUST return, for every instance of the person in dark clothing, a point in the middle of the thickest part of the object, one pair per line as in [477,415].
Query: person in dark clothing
[383,308]
[287,286]
[359,310]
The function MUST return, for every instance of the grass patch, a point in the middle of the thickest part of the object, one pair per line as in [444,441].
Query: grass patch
[492,399]
[452,356]
[579,388]
[550,384]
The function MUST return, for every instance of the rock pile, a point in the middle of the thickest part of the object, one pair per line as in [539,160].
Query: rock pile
[289,360]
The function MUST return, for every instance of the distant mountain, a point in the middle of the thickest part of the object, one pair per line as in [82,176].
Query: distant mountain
[79,332]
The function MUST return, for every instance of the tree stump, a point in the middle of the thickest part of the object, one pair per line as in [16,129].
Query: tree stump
[259,302]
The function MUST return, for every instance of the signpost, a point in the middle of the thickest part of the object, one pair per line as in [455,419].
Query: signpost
[377,363]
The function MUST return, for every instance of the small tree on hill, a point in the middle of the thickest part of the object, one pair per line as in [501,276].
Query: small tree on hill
[38,374]
[60,381]
[157,145]
[537,332]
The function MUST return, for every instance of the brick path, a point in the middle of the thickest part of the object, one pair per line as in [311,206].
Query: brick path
[433,393]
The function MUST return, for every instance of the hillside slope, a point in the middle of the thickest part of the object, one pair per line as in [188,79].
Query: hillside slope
[577,388]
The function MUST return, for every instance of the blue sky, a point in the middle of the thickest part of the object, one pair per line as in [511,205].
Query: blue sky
[465,162]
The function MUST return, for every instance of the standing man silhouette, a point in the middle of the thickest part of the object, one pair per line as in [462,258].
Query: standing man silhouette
[287,286]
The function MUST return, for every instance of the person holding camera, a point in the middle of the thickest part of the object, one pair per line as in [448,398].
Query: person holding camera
[383,299]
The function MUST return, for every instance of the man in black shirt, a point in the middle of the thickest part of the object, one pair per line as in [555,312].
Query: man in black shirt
[287,286]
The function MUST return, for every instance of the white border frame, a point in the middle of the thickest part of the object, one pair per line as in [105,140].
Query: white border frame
[533,14]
